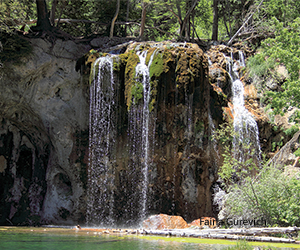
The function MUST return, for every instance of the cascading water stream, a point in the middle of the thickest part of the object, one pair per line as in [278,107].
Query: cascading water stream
[142,68]
[142,123]
[101,141]
[244,124]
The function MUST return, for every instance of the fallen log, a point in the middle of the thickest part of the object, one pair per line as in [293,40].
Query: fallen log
[250,234]
[255,231]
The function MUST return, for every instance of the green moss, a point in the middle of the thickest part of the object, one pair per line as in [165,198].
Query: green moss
[157,66]
[137,90]
[120,61]
[149,54]
[132,61]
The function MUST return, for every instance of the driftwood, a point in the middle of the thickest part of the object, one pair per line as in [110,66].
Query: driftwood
[117,47]
[250,234]
[243,25]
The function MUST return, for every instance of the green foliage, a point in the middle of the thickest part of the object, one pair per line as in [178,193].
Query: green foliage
[15,14]
[292,130]
[241,245]
[283,49]
[276,145]
[272,195]
[297,152]
[258,66]
[157,65]
[233,170]
[284,10]
[199,127]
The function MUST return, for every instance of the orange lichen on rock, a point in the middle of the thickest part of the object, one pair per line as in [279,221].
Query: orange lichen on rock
[228,111]
[164,221]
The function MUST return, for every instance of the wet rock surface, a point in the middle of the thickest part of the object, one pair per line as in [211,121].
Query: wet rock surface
[44,129]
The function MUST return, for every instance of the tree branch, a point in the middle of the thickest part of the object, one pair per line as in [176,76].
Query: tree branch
[114,19]
[239,30]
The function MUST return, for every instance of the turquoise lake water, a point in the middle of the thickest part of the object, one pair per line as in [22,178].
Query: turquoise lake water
[15,238]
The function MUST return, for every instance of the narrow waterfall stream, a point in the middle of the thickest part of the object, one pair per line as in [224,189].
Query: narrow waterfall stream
[101,142]
[143,70]
[244,124]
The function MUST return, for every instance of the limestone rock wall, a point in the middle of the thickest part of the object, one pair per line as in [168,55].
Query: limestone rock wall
[43,144]
[44,132]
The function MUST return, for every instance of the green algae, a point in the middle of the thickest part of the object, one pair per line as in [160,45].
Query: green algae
[220,242]
[137,90]
[94,235]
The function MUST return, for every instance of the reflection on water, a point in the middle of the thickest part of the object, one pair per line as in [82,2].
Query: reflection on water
[69,239]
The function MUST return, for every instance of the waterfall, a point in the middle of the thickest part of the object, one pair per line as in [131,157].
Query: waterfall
[140,119]
[145,155]
[101,141]
[142,68]
[244,124]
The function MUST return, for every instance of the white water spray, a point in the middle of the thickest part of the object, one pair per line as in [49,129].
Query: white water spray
[101,141]
[244,124]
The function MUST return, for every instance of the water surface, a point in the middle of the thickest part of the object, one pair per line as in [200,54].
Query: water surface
[14,238]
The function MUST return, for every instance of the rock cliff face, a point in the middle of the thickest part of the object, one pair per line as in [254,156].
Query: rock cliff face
[43,144]
[44,133]
[180,162]
[44,107]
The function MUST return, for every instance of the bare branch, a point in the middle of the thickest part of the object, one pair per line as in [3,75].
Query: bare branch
[239,30]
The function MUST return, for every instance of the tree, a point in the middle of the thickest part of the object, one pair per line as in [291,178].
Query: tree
[184,22]
[43,22]
[114,19]
[216,21]
[143,19]
[53,10]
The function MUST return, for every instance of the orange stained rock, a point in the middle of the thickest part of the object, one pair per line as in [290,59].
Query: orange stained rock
[164,221]
[250,91]
[229,110]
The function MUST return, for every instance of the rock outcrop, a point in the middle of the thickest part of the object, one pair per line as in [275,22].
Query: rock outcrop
[44,131]
[181,167]
[164,221]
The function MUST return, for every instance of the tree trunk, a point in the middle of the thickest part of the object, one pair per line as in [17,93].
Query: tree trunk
[186,20]
[43,22]
[143,21]
[53,10]
[215,21]
[114,20]
[127,16]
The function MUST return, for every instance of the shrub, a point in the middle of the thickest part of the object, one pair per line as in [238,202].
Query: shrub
[272,195]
